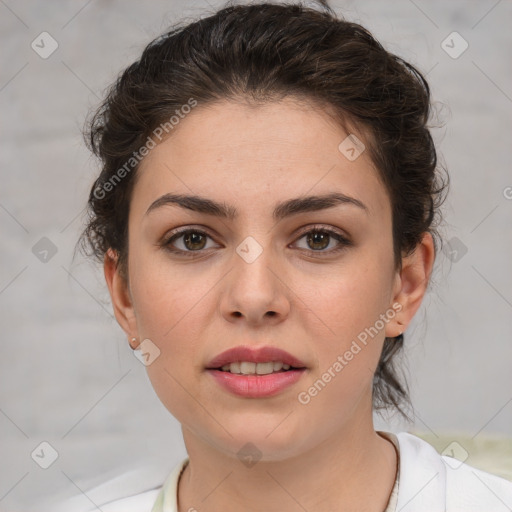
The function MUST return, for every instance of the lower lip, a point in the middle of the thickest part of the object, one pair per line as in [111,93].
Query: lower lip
[256,386]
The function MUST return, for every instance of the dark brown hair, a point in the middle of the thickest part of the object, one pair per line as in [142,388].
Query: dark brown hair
[266,52]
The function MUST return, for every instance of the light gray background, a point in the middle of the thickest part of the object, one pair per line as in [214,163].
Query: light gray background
[67,374]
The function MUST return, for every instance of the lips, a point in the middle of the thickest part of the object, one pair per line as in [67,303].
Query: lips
[253,355]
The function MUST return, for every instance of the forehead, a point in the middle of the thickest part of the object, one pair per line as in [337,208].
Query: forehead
[246,153]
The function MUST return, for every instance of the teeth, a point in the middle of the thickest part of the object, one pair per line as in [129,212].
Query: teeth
[247,368]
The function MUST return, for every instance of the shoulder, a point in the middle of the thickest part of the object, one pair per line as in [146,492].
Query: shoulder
[472,489]
[163,497]
[142,502]
[136,490]
[432,482]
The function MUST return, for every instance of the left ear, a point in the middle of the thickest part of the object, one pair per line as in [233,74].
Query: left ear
[411,284]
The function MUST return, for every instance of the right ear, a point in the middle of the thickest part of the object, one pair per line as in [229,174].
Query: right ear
[120,295]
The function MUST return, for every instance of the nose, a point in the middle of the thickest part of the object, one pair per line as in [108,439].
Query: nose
[255,291]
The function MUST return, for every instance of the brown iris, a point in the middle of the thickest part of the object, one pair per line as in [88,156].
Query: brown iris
[318,237]
[195,240]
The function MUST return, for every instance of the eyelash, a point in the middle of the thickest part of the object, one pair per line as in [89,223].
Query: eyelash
[175,235]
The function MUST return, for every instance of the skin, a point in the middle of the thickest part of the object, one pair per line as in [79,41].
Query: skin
[314,456]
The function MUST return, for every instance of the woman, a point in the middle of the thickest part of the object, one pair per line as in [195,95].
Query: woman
[266,215]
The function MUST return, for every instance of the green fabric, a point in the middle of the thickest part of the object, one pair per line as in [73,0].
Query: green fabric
[159,503]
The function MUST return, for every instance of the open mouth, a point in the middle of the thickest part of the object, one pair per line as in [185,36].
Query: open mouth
[261,379]
[249,368]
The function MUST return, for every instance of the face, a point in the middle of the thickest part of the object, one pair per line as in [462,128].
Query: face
[309,281]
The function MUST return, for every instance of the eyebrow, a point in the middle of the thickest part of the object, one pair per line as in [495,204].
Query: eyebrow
[282,210]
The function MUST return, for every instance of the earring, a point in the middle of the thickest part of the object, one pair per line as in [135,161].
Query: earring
[133,343]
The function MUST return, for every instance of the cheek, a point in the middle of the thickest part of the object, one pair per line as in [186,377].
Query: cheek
[346,321]
[167,313]
[171,307]
[347,301]
[166,297]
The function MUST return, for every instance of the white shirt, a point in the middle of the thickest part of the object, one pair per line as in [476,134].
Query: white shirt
[426,482]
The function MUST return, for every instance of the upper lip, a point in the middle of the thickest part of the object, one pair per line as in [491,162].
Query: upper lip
[254,355]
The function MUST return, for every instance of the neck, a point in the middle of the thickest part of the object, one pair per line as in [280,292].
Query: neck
[354,470]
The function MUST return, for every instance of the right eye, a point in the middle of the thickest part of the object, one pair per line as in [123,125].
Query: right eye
[193,241]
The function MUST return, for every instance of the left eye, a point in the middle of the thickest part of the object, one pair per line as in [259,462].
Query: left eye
[319,239]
